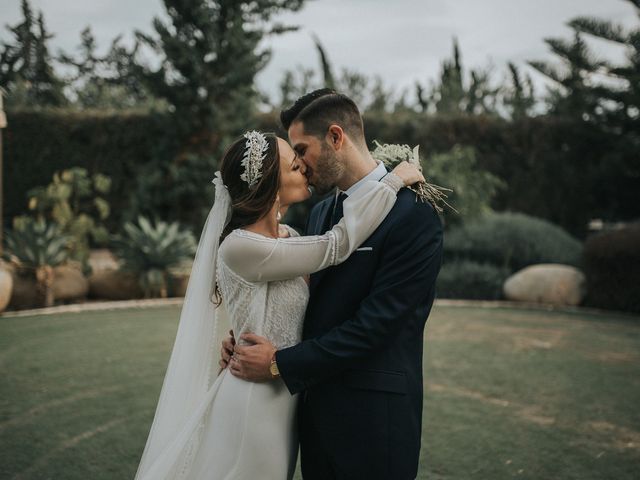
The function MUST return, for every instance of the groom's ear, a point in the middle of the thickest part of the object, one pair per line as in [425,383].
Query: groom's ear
[335,136]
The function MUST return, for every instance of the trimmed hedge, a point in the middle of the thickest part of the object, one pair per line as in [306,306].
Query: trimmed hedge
[612,266]
[512,241]
[471,280]
[37,144]
[564,171]
[551,166]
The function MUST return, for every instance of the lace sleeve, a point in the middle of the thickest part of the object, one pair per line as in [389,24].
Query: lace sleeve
[257,258]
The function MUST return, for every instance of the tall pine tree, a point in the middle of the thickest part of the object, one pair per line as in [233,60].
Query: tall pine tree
[519,98]
[606,97]
[571,93]
[210,56]
[621,103]
[107,81]
[47,87]
[453,94]
[592,88]
[26,66]
[16,59]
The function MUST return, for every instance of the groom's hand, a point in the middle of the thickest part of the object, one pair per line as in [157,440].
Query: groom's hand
[252,362]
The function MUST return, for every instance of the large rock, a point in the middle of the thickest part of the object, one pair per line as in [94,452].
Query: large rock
[6,286]
[178,285]
[550,283]
[25,292]
[179,279]
[103,259]
[114,285]
[107,281]
[69,283]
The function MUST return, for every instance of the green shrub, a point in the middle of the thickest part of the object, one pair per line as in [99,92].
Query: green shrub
[471,280]
[76,202]
[612,266]
[35,247]
[150,251]
[121,145]
[550,166]
[512,241]
[473,188]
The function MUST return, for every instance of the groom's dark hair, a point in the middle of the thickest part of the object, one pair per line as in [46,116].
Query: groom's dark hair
[320,109]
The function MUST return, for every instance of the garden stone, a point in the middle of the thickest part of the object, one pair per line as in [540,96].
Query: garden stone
[547,283]
[179,279]
[25,292]
[103,259]
[114,285]
[6,286]
[178,285]
[69,283]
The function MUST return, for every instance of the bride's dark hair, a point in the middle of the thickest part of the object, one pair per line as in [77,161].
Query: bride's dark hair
[249,204]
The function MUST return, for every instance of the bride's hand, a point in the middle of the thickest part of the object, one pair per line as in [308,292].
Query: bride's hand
[283,232]
[226,352]
[408,173]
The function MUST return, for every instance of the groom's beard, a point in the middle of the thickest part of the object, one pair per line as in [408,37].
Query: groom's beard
[328,170]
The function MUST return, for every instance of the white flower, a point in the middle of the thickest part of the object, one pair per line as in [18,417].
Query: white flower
[391,154]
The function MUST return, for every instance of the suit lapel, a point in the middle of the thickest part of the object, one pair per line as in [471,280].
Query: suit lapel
[321,225]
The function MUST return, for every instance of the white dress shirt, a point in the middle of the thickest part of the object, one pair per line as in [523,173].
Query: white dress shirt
[376,174]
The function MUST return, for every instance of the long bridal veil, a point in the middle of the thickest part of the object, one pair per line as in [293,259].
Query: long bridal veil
[193,366]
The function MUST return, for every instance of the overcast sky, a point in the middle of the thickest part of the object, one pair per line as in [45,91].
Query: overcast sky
[400,40]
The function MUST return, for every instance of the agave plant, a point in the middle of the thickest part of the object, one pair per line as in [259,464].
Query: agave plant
[151,250]
[35,247]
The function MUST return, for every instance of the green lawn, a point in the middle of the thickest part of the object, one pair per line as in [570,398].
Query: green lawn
[509,393]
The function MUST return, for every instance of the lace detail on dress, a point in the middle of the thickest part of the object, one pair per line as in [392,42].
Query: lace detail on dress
[274,310]
[190,452]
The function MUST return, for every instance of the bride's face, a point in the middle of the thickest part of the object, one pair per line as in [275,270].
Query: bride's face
[294,186]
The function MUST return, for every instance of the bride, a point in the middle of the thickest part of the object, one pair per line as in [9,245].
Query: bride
[252,269]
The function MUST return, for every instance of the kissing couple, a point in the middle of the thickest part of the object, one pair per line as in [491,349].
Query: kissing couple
[327,355]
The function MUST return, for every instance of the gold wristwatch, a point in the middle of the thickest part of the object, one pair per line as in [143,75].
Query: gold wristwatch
[273,368]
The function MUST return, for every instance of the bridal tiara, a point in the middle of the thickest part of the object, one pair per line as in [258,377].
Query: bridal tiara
[255,152]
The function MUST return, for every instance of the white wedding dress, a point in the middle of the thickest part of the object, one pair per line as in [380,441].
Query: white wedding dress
[247,430]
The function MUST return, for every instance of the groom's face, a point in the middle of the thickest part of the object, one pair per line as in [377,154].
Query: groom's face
[321,165]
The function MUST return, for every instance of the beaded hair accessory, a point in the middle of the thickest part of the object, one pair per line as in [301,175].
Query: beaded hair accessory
[255,153]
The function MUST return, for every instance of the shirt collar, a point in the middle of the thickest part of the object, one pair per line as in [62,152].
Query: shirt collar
[375,175]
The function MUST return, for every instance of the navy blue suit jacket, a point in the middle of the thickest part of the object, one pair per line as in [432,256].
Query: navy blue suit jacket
[359,366]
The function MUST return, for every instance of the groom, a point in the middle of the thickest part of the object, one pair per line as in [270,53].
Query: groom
[359,367]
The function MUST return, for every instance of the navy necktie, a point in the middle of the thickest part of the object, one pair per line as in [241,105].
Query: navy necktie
[338,211]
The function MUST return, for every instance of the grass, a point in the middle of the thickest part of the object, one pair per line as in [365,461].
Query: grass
[509,393]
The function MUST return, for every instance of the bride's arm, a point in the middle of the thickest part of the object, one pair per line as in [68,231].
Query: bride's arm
[287,231]
[257,258]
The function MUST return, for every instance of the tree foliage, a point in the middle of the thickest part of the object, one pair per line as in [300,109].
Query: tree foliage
[593,88]
[210,54]
[105,81]
[26,65]
[370,94]
[454,93]
[519,98]
[606,96]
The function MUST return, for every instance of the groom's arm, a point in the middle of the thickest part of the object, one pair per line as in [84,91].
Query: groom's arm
[409,267]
